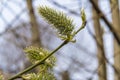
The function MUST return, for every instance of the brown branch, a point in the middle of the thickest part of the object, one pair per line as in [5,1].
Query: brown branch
[106,21]
[34,24]
[63,7]
[115,68]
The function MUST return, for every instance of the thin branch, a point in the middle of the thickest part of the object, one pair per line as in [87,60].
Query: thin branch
[40,62]
[63,7]
[106,21]
[115,68]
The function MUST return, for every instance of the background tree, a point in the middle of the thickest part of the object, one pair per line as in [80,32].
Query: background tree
[116,23]
[34,24]
[102,71]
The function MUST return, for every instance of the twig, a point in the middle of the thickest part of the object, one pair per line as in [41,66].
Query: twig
[40,62]
[106,21]
[115,68]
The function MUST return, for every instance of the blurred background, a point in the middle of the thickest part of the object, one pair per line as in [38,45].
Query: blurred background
[94,56]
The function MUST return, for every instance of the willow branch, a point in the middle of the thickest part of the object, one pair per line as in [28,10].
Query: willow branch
[42,61]
[39,63]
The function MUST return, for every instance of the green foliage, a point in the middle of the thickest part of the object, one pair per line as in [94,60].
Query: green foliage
[59,20]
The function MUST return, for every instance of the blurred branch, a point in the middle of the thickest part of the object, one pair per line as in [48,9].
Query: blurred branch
[110,26]
[63,7]
[115,69]
[34,25]
[85,50]
[65,75]
[116,24]
[100,50]
[17,36]
[12,22]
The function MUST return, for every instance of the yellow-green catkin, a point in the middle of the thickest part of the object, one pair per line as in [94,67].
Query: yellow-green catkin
[59,20]
[36,54]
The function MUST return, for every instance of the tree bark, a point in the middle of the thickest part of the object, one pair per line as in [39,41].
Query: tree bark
[116,24]
[102,73]
[34,25]
[65,75]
